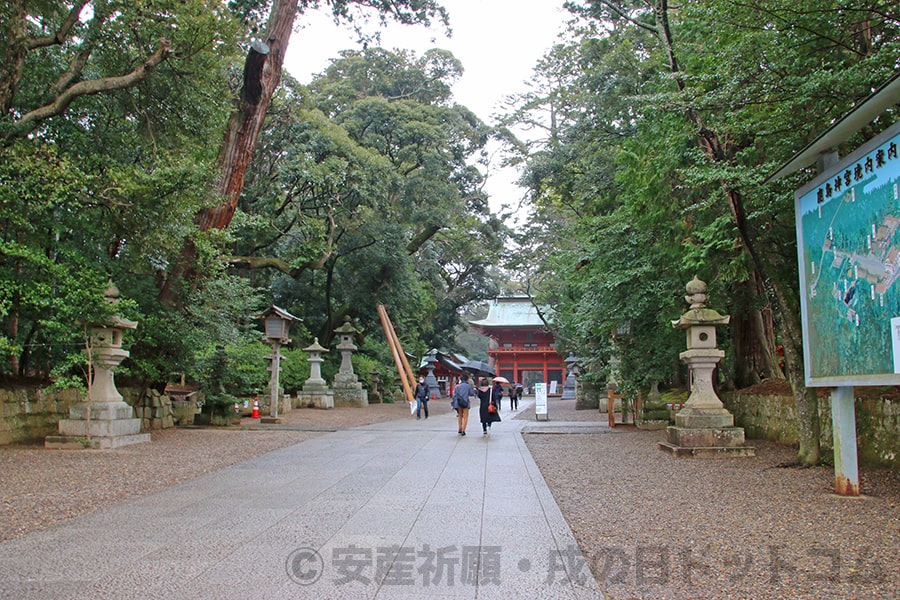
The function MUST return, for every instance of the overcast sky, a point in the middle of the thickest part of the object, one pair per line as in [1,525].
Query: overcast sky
[498,41]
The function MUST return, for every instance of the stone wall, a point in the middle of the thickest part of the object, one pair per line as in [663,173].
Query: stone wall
[154,409]
[588,395]
[774,417]
[29,414]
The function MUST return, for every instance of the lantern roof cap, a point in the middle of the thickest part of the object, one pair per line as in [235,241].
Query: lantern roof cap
[315,347]
[279,312]
[346,327]
[701,316]
[112,296]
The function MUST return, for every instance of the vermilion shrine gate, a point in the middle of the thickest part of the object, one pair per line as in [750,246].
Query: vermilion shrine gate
[521,348]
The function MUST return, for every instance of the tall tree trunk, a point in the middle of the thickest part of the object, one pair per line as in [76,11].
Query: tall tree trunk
[753,335]
[262,74]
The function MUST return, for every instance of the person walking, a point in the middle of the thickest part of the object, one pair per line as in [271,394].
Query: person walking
[498,395]
[422,392]
[488,414]
[461,401]
[514,391]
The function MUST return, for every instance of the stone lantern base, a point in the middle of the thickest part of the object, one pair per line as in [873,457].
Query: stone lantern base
[350,396]
[349,391]
[112,425]
[316,398]
[705,433]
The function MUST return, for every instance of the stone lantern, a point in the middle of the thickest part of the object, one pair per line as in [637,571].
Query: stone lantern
[571,378]
[315,392]
[430,380]
[277,323]
[105,420]
[348,391]
[704,427]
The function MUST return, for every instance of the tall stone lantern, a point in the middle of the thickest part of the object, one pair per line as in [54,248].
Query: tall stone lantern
[348,390]
[704,427]
[277,323]
[105,420]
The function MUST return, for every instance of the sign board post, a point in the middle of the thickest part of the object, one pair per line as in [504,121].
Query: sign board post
[540,401]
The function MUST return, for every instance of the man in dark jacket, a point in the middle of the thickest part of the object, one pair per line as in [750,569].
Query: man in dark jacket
[421,397]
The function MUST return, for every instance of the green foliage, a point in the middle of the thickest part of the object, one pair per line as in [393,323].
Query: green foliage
[231,371]
[109,186]
[364,193]
[294,369]
[376,375]
[658,135]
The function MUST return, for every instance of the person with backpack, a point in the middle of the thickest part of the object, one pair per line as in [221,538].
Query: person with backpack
[461,401]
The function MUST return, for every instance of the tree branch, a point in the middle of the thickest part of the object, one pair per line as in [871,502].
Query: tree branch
[256,262]
[61,34]
[94,86]
[426,234]
[622,14]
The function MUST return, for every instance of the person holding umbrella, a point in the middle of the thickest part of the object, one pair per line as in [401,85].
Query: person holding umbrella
[497,392]
[488,408]
[515,391]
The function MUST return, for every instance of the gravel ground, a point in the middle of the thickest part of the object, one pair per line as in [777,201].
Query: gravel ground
[648,525]
[653,526]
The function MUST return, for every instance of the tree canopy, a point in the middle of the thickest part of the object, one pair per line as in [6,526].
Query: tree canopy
[105,163]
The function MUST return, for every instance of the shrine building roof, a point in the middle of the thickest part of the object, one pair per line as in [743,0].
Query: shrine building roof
[512,311]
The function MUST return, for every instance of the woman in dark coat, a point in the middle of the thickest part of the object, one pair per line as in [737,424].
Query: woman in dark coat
[485,395]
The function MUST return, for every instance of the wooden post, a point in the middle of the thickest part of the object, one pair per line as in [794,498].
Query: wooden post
[393,333]
[273,382]
[388,332]
[611,407]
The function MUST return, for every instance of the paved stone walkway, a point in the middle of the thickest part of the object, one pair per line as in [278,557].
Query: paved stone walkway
[403,509]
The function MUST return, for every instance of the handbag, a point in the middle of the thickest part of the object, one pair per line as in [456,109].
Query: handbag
[492,408]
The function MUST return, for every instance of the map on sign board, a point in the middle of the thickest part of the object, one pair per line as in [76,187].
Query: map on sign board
[848,232]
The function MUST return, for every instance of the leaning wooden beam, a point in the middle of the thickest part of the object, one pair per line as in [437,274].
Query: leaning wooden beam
[393,333]
[385,324]
[409,371]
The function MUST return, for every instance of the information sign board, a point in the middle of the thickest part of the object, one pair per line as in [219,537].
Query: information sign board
[540,400]
[848,247]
